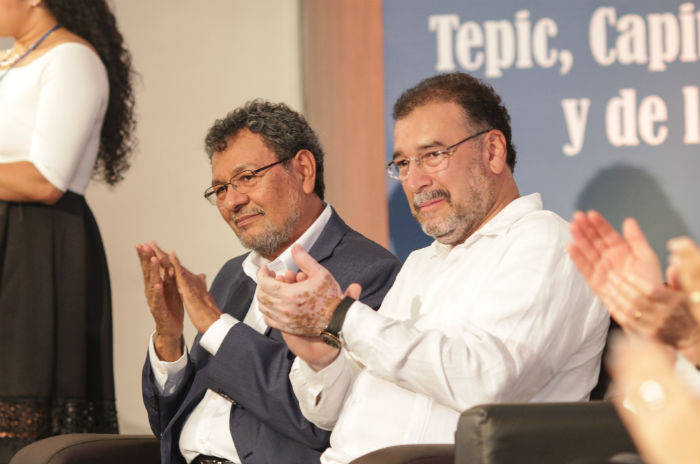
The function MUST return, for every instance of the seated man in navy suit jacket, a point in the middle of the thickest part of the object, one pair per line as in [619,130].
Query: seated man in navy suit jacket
[229,399]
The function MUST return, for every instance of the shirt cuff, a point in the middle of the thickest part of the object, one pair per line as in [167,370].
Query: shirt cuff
[167,375]
[214,336]
[312,382]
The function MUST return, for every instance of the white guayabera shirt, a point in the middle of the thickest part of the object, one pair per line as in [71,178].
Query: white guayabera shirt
[504,316]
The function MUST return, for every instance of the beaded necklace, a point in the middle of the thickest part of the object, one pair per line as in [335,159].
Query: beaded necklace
[29,50]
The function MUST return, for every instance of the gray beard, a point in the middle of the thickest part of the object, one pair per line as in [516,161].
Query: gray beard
[463,219]
[269,241]
[456,227]
[455,223]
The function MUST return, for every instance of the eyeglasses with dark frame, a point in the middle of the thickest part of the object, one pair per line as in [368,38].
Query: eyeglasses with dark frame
[242,182]
[431,162]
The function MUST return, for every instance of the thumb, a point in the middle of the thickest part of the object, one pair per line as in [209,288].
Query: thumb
[636,239]
[307,264]
[672,278]
[354,291]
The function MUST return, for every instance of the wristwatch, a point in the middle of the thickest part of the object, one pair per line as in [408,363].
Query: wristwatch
[331,334]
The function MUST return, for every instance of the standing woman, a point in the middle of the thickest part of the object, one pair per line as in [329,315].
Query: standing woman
[66,115]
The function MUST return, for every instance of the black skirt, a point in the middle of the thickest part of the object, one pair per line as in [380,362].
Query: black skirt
[55,324]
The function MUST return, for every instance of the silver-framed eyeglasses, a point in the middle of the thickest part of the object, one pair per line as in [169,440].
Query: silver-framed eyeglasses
[433,161]
[242,182]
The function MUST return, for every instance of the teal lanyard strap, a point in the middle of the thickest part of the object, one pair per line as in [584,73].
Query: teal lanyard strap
[29,50]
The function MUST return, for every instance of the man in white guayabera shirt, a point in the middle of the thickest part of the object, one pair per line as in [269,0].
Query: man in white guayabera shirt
[492,311]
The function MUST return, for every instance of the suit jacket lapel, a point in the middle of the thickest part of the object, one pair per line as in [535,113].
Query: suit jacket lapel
[241,297]
[329,238]
[236,302]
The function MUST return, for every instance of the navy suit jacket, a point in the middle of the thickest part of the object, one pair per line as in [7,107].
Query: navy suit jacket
[252,369]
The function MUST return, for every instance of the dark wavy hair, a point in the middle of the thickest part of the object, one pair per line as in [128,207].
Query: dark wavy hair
[283,130]
[481,104]
[94,21]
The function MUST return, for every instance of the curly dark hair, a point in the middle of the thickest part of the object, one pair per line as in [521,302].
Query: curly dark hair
[481,104]
[94,21]
[283,130]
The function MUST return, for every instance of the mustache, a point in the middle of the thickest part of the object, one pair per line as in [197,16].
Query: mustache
[431,195]
[238,214]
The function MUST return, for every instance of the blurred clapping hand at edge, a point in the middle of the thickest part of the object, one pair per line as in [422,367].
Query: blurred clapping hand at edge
[661,414]
[658,408]
[626,275]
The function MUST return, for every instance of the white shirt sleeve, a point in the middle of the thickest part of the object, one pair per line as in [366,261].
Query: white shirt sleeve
[321,394]
[514,339]
[72,102]
[214,336]
[168,375]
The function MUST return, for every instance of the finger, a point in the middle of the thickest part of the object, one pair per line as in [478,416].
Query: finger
[638,241]
[624,321]
[588,231]
[154,285]
[301,276]
[266,307]
[153,276]
[156,300]
[623,298]
[580,260]
[168,271]
[683,244]
[607,236]
[583,235]
[595,273]
[272,322]
[685,257]
[144,252]
[272,286]
[184,276]
[139,251]
[622,286]
[642,285]
[306,263]
[289,276]
[172,257]
[672,277]
[268,296]
[643,304]
[143,247]
[354,291]
[188,284]
[162,255]
[180,272]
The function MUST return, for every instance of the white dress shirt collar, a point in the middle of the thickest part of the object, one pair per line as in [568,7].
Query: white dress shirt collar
[498,225]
